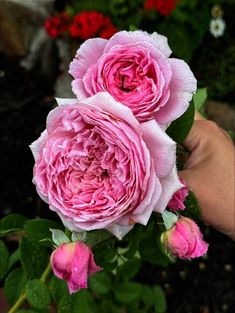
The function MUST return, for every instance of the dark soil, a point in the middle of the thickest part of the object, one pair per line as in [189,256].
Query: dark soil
[201,286]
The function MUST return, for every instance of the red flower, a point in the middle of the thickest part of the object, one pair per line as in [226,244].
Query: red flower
[89,24]
[164,7]
[57,24]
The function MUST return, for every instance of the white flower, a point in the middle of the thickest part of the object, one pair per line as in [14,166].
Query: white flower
[217,27]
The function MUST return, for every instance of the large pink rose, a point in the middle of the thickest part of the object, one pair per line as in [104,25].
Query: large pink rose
[97,167]
[135,68]
[74,262]
[184,239]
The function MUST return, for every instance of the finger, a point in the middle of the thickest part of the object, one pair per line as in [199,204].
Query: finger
[193,138]
[198,116]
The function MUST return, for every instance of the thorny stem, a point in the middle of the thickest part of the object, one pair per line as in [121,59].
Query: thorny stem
[22,297]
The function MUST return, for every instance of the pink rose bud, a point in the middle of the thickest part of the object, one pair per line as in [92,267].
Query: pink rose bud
[178,198]
[74,262]
[184,239]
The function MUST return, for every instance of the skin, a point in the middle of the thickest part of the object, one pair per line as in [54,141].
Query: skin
[210,173]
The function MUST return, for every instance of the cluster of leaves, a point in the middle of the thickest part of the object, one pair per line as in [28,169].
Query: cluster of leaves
[28,277]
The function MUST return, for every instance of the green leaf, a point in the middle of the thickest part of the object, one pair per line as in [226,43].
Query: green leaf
[108,307]
[147,295]
[192,208]
[14,257]
[169,219]
[65,305]
[58,288]
[34,257]
[151,250]
[128,292]
[134,241]
[100,283]
[129,269]
[97,236]
[37,294]
[159,299]
[83,302]
[38,229]
[179,129]
[4,259]
[199,98]
[14,285]
[59,237]
[12,223]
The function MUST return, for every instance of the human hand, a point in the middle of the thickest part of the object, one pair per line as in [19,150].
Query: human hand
[210,173]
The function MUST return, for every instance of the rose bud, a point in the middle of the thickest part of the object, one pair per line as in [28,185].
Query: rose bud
[178,198]
[184,240]
[74,262]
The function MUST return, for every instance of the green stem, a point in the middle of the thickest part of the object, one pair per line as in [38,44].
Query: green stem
[22,297]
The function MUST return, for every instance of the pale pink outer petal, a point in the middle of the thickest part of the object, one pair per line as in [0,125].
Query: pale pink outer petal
[119,230]
[106,102]
[88,54]
[162,148]
[78,89]
[182,86]
[35,146]
[162,43]
[142,38]
[170,184]
[66,101]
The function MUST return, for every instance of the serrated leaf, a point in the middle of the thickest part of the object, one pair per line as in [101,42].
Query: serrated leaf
[108,307]
[134,242]
[98,236]
[14,285]
[58,288]
[100,283]
[179,129]
[83,302]
[14,257]
[65,305]
[169,219]
[129,269]
[37,294]
[34,257]
[159,299]
[38,229]
[128,292]
[4,259]
[151,250]
[147,295]
[199,98]
[59,237]
[12,223]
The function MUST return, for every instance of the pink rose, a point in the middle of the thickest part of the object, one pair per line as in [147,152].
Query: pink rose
[184,239]
[74,262]
[99,168]
[178,198]
[135,68]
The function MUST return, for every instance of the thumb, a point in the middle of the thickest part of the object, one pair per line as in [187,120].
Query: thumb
[192,141]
